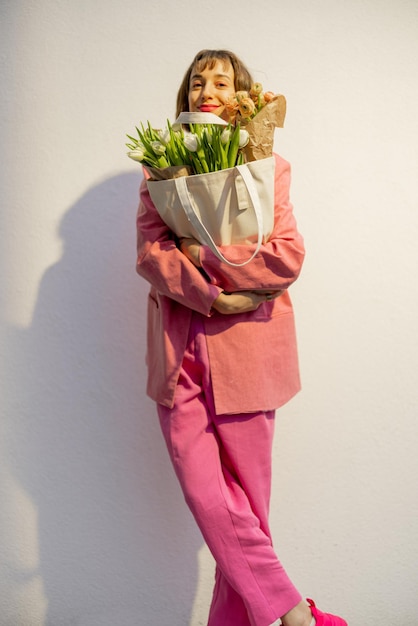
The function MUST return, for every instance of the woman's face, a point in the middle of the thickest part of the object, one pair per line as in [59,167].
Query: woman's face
[210,89]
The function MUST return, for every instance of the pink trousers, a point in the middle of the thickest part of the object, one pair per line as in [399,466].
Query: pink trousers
[223,463]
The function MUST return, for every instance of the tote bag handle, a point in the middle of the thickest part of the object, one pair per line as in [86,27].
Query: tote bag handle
[200,228]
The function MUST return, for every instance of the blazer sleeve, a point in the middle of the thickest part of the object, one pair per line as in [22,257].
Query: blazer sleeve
[278,262]
[164,266]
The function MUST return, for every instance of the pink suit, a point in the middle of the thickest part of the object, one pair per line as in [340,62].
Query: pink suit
[217,380]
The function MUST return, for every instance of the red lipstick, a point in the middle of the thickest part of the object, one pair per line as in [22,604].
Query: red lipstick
[208,108]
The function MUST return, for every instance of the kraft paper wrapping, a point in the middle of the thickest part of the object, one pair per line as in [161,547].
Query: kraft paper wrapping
[166,173]
[261,129]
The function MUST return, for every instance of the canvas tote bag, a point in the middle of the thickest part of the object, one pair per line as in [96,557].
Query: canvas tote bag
[231,206]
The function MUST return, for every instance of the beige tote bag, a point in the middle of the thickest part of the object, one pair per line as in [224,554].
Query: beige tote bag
[231,206]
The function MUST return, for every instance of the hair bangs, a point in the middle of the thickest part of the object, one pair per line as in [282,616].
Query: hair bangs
[207,59]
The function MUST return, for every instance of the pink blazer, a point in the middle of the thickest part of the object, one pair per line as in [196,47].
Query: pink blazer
[253,356]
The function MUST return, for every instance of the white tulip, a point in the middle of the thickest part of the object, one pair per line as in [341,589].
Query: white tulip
[244,138]
[137,154]
[164,136]
[226,135]
[158,147]
[191,142]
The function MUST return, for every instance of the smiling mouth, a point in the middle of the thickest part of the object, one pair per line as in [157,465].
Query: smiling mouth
[209,107]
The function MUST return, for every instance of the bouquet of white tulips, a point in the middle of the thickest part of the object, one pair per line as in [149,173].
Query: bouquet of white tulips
[207,147]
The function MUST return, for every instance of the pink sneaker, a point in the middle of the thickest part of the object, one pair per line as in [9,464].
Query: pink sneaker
[325,619]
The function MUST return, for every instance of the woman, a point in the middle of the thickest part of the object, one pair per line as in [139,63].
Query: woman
[221,358]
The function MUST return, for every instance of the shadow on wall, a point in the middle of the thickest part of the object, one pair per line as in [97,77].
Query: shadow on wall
[110,539]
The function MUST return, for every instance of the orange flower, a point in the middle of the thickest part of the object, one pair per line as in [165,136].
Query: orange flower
[246,107]
[231,108]
[231,105]
[240,95]
[268,96]
[256,90]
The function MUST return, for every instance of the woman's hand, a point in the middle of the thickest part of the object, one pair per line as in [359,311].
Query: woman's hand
[243,301]
[191,249]
[228,303]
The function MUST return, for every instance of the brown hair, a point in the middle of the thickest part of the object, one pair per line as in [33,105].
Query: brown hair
[208,58]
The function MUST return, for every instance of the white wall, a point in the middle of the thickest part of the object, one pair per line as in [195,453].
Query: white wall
[93,529]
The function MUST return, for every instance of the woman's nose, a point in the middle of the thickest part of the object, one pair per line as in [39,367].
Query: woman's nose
[207,91]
